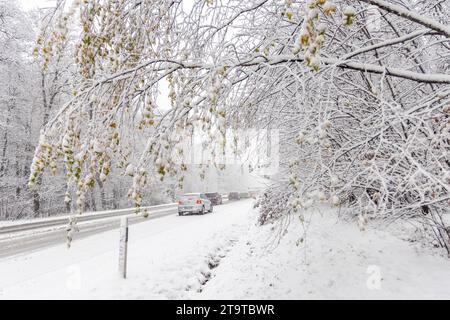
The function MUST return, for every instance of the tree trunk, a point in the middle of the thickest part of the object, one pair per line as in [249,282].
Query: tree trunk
[104,205]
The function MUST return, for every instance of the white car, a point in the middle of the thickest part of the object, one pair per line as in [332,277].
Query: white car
[194,203]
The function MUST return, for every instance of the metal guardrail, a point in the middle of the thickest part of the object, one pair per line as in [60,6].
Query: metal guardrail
[51,222]
[91,216]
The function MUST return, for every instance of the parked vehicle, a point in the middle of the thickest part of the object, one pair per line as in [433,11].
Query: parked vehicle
[244,195]
[214,197]
[234,196]
[197,203]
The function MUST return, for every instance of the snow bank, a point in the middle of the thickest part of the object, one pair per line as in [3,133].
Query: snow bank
[334,260]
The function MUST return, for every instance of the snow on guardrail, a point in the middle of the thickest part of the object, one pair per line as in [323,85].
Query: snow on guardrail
[18,226]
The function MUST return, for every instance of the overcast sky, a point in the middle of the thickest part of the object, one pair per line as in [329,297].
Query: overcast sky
[31,4]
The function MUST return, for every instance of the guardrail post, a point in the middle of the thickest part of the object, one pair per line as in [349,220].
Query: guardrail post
[123,247]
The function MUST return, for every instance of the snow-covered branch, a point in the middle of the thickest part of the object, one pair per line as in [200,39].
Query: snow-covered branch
[411,15]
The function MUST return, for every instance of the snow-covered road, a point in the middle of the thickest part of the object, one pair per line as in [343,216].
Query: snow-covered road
[32,239]
[156,248]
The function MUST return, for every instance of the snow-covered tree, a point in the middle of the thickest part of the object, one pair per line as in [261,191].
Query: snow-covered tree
[33,87]
[362,103]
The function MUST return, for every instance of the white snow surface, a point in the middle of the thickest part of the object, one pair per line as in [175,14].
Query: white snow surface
[335,260]
[225,255]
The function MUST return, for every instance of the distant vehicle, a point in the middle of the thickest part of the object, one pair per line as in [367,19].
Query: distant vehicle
[244,195]
[197,203]
[214,197]
[253,194]
[234,196]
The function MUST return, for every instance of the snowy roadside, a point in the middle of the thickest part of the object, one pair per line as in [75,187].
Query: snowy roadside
[170,257]
[335,260]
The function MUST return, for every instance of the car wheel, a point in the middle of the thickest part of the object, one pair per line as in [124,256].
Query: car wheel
[203,210]
[180,214]
[211,209]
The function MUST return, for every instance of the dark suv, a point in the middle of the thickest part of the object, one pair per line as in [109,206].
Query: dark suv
[214,197]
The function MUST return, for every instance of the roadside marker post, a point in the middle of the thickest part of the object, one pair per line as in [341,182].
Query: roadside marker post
[123,247]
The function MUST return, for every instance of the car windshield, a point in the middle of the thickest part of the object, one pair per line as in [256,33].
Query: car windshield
[190,196]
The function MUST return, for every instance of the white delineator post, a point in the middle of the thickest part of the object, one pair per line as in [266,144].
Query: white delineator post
[123,247]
